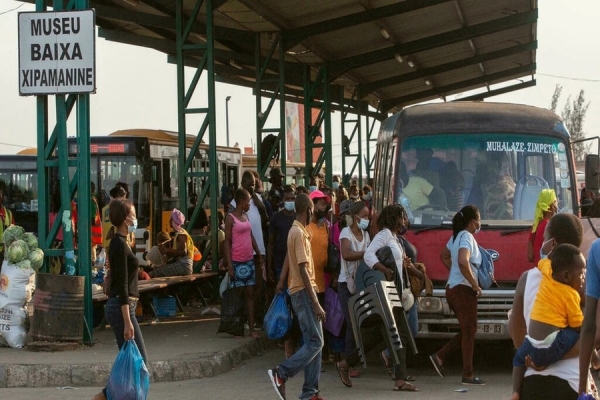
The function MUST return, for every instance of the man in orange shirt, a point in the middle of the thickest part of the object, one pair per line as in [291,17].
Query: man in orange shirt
[310,314]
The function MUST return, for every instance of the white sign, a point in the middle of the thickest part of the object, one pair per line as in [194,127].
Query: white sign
[57,52]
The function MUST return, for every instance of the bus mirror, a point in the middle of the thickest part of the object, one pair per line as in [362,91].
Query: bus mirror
[591,172]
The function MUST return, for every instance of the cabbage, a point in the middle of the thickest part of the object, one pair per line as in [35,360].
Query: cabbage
[12,233]
[31,240]
[25,264]
[37,258]
[17,251]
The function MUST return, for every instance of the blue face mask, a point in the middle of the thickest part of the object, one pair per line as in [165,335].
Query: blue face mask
[131,228]
[363,224]
[312,188]
[543,255]
[289,205]
[335,185]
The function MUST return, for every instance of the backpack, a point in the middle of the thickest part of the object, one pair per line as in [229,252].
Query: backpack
[485,274]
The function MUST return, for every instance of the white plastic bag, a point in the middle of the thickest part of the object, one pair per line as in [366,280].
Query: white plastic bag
[224,285]
[12,326]
[16,285]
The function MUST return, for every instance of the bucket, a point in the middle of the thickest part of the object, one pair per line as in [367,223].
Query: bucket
[58,308]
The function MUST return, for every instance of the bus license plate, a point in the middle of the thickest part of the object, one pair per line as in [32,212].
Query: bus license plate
[496,329]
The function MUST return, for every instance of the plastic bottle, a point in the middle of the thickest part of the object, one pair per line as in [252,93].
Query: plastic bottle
[101,259]
[406,204]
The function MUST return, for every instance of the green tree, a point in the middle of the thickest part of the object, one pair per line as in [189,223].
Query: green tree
[573,115]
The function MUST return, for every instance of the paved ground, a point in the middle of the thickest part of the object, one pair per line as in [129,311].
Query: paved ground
[178,348]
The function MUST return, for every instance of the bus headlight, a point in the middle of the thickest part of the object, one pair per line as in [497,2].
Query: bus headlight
[430,305]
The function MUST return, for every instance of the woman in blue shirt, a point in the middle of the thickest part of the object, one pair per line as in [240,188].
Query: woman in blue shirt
[462,257]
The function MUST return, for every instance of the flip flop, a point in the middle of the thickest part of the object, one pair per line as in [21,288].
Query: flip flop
[388,368]
[406,387]
[342,373]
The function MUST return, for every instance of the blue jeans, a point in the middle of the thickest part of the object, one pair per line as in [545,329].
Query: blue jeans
[563,342]
[308,357]
[114,317]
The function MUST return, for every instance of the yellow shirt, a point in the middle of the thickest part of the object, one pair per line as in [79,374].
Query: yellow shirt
[106,225]
[319,240]
[417,191]
[556,303]
[298,249]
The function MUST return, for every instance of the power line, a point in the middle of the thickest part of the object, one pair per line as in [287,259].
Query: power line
[569,78]
[12,9]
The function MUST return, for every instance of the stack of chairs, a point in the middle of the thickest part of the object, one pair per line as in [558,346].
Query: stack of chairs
[380,301]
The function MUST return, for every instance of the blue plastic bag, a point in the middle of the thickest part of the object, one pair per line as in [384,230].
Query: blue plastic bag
[278,319]
[129,378]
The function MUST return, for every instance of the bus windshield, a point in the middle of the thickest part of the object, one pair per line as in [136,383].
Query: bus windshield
[502,174]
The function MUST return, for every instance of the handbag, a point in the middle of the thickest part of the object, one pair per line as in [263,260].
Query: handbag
[407,298]
[333,309]
[278,319]
[333,256]
[232,313]
[129,378]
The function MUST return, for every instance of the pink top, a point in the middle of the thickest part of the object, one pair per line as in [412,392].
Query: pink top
[241,240]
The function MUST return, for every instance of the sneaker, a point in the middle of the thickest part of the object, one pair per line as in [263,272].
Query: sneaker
[473,381]
[278,382]
[316,397]
[438,367]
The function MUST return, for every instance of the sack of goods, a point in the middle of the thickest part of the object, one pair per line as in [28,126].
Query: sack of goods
[17,283]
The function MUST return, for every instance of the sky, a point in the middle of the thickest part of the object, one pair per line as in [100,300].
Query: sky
[136,87]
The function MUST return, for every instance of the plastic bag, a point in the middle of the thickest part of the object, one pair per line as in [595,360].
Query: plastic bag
[129,378]
[334,312]
[232,313]
[224,285]
[278,319]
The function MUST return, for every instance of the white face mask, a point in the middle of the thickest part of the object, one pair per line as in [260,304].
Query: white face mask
[335,185]
[363,224]
[131,228]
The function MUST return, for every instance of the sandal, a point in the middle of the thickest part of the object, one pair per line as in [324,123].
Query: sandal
[406,387]
[386,363]
[344,374]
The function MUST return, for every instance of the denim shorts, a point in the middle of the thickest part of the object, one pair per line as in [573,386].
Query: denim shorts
[244,274]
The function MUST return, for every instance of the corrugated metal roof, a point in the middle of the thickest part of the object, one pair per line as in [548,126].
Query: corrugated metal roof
[396,52]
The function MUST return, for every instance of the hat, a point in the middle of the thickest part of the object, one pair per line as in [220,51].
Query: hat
[155,257]
[345,206]
[162,237]
[317,194]
[177,218]
[276,171]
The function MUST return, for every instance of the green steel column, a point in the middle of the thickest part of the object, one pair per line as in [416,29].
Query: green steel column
[181,120]
[282,122]
[308,140]
[327,120]
[212,128]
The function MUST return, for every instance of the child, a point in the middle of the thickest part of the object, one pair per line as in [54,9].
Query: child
[556,316]
[303,293]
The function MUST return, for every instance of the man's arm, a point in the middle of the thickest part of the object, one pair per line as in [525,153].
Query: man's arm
[317,309]
[586,341]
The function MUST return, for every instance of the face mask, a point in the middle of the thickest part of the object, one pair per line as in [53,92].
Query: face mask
[363,224]
[289,205]
[335,185]
[354,197]
[403,230]
[131,228]
[367,197]
[312,188]
[478,229]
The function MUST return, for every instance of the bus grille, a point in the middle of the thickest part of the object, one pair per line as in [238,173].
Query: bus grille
[489,307]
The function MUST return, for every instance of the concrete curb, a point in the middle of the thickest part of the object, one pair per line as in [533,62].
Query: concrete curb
[205,366]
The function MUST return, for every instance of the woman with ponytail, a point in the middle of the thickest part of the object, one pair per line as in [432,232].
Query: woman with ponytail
[545,208]
[462,258]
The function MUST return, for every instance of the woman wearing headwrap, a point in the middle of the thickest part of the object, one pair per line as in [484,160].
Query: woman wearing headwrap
[545,208]
[182,251]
